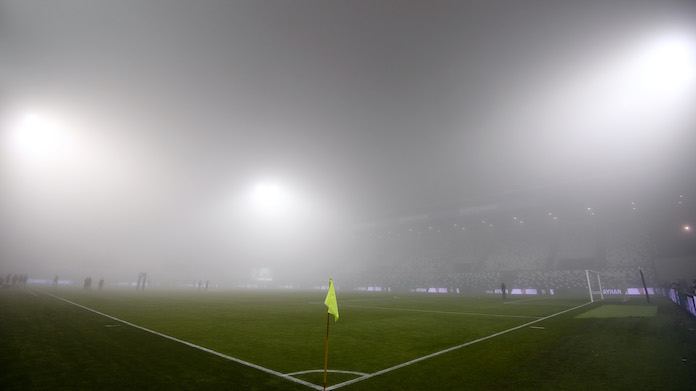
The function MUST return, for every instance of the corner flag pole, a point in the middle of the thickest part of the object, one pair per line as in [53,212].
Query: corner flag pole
[332,305]
[326,355]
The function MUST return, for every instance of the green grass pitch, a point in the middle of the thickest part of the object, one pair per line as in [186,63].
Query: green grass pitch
[620,311]
[381,342]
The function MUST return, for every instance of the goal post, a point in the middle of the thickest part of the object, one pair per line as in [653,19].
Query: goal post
[607,285]
[593,278]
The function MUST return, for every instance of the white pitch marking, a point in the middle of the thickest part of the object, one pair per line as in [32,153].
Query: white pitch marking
[441,312]
[329,370]
[522,301]
[536,327]
[383,371]
[237,360]
[354,300]
[372,299]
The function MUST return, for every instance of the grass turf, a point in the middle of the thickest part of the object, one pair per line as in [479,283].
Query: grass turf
[620,311]
[50,344]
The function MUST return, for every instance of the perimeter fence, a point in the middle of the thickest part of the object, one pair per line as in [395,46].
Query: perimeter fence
[683,299]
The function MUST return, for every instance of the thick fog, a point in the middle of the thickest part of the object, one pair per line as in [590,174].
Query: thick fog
[238,140]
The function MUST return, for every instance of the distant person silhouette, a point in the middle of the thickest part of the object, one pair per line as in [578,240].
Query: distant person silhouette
[142,279]
[502,288]
[55,281]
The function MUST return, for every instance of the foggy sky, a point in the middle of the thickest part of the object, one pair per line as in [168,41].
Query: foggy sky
[360,109]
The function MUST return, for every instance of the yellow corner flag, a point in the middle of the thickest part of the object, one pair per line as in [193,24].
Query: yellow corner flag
[331,300]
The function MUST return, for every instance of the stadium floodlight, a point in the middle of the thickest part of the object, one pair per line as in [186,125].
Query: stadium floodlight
[627,100]
[41,139]
[668,62]
[270,198]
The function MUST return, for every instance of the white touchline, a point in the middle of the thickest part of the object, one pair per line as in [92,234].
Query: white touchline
[383,371]
[440,312]
[237,360]
[371,299]
[522,301]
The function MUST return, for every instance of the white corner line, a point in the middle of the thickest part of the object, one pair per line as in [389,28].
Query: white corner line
[395,367]
[237,360]
[328,370]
